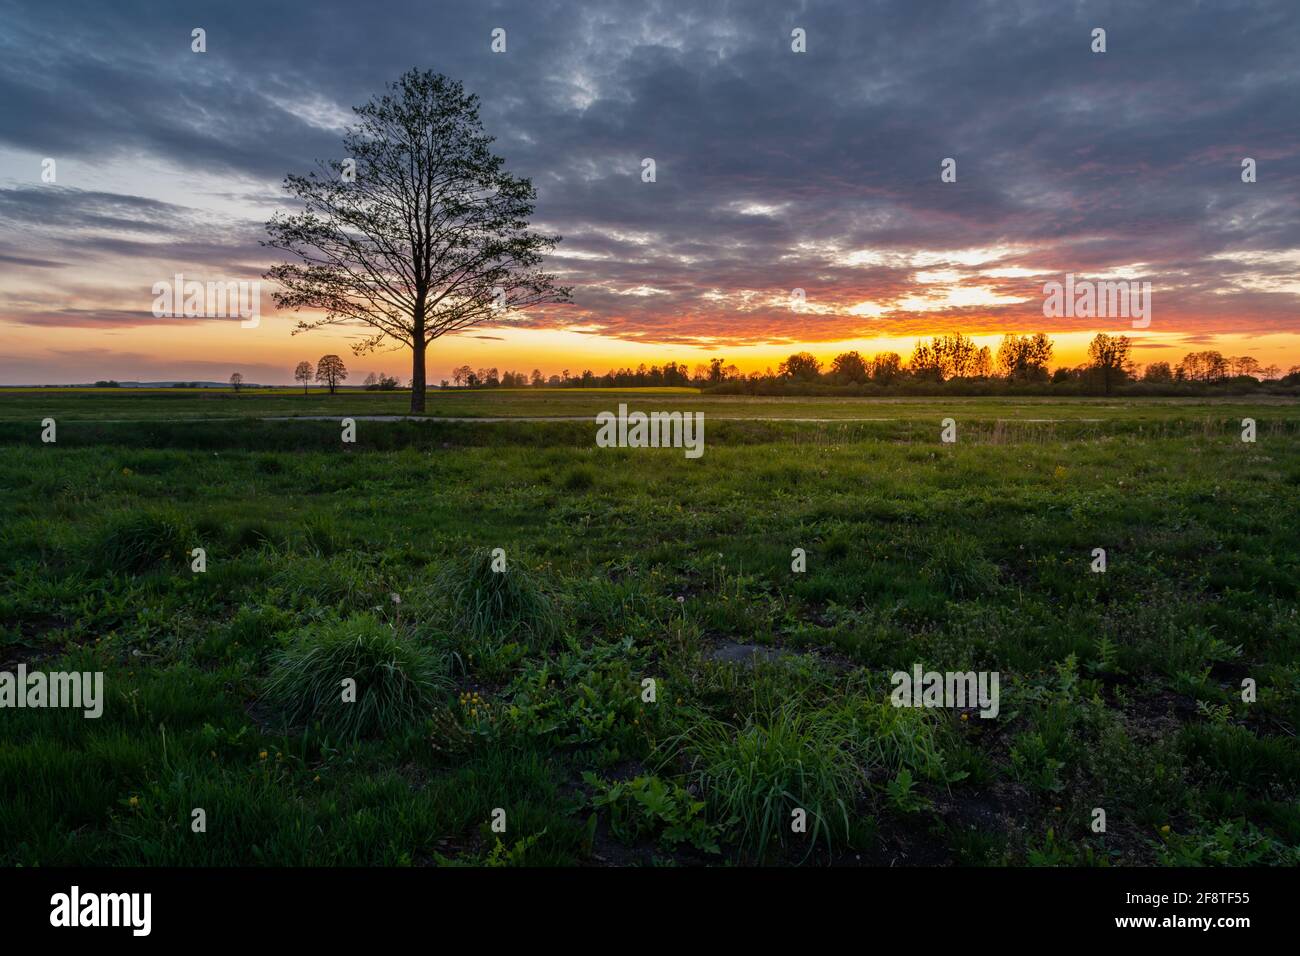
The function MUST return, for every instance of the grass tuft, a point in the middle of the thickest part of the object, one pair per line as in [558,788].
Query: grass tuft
[136,543]
[754,776]
[498,604]
[397,682]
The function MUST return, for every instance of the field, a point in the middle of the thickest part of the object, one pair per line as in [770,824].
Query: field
[520,699]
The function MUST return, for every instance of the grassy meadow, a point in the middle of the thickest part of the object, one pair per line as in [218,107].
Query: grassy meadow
[524,692]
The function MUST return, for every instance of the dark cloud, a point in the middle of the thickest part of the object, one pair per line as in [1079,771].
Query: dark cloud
[775,170]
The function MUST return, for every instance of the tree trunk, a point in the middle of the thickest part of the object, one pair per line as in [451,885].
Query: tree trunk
[418,346]
[417,375]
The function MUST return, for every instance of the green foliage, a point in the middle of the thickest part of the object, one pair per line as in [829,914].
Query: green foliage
[902,795]
[646,807]
[1228,843]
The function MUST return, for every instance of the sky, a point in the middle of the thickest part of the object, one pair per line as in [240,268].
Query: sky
[775,170]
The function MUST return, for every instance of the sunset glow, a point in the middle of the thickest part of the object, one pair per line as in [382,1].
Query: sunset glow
[172,163]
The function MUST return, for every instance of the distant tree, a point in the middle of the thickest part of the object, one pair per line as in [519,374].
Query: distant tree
[801,367]
[925,363]
[1245,365]
[537,380]
[1207,367]
[461,376]
[371,379]
[850,367]
[958,355]
[331,370]
[1024,358]
[1109,357]
[107,383]
[303,374]
[886,368]
[948,356]
[423,233]
[236,381]
[1158,373]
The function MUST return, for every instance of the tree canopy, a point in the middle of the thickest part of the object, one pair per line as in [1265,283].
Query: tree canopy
[418,232]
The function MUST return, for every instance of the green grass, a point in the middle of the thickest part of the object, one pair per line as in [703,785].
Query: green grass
[759,777]
[124,406]
[525,690]
[356,677]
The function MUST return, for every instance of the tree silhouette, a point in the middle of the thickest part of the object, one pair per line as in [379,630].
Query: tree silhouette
[850,367]
[1024,358]
[331,370]
[303,374]
[1109,357]
[420,232]
[802,366]
[236,380]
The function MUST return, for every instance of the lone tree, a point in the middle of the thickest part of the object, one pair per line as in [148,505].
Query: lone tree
[236,380]
[419,233]
[303,374]
[331,370]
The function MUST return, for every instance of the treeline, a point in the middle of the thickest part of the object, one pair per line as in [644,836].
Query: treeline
[947,363]
[1021,364]
[663,376]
